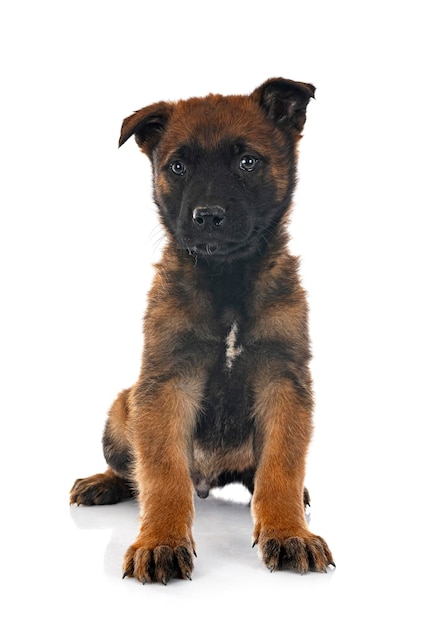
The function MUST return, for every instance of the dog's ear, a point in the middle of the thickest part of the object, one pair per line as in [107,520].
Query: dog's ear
[147,125]
[285,102]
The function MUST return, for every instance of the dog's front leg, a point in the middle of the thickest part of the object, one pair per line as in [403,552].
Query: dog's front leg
[162,423]
[283,418]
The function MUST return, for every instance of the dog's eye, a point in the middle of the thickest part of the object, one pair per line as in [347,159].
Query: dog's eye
[248,163]
[178,167]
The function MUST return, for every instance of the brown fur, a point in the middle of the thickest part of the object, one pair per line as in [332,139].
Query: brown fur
[151,440]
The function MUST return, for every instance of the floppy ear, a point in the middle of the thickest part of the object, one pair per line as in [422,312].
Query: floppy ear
[285,101]
[147,125]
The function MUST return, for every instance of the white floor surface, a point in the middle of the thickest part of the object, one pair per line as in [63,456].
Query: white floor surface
[64,567]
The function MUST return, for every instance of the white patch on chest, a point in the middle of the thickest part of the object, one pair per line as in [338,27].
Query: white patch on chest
[232,350]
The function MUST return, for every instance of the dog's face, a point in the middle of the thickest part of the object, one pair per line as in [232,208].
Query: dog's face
[224,167]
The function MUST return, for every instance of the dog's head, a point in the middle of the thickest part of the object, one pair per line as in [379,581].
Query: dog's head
[224,166]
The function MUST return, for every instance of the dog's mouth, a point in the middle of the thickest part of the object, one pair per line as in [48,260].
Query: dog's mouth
[219,250]
[214,248]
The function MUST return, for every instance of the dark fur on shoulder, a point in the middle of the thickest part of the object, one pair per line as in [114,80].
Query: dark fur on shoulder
[224,392]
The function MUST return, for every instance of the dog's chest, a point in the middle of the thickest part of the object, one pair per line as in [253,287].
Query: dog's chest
[224,419]
[232,348]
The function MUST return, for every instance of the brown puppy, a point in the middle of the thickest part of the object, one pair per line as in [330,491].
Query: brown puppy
[224,392]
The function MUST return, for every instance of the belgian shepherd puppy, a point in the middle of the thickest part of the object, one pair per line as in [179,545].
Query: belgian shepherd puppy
[224,392]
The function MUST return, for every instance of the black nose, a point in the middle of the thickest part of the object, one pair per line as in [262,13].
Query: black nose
[209,217]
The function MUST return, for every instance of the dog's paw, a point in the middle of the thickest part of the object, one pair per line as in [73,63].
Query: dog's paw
[99,489]
[301,552]
[173,559]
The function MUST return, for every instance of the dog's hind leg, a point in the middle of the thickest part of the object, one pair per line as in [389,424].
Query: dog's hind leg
[105,488]
[115,483]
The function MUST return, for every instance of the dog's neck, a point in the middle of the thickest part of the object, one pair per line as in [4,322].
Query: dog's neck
[228,282]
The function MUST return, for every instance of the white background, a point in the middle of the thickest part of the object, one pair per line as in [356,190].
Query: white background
[79,233]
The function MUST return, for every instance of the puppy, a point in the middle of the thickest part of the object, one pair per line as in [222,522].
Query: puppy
[224,392]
